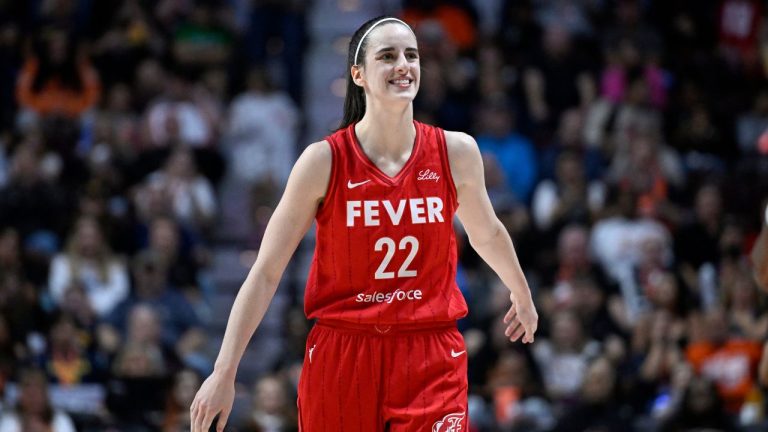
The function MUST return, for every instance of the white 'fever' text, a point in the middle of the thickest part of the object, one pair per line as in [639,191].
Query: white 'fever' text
[421,210]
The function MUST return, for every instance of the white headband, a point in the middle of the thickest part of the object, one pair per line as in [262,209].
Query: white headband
[359,44]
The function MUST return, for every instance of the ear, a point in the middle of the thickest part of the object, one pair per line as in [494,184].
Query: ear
[357,75]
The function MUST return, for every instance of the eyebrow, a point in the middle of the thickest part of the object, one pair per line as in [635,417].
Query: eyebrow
[385,49]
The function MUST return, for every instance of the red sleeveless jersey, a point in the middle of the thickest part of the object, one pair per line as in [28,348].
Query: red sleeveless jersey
[385,246]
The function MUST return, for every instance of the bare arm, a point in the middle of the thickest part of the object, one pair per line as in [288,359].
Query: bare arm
[292,218]
[487,234]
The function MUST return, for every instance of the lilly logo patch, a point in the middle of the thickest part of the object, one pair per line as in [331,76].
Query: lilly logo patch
[449,423]
[428,175]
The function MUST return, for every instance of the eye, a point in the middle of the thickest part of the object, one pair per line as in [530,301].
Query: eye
[412,56]
[387,56]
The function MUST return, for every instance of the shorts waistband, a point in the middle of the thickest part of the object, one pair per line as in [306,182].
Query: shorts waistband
[386,329]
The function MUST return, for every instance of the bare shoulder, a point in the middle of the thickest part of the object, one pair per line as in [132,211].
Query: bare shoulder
[459,144]
[319,152]
[464,157]
[312,171]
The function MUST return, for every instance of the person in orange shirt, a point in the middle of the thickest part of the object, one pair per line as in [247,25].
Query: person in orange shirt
[727,359]
[455,21]
[55,82]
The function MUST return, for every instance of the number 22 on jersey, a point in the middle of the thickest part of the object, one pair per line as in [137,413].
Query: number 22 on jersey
[410,243]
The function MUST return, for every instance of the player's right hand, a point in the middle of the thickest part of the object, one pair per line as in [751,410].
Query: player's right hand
[215,396]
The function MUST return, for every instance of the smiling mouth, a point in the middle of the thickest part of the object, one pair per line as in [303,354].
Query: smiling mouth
[401,82]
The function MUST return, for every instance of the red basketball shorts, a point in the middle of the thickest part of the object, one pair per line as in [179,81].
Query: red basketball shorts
[365,378]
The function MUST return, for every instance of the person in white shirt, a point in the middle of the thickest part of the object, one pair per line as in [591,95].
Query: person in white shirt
[33,412]
[88,261]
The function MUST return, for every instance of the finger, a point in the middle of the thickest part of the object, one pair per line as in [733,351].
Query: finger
[222,421]
[519,331]
[208,419]
[529,334]
[511,328]
[510,315]
[193,412]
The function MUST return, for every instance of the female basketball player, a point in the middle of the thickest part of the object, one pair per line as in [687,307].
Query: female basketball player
[384,354]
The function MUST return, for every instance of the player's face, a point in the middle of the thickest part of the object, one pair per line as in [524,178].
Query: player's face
[391,67]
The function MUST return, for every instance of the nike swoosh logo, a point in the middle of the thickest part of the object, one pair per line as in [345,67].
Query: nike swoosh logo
[455,354]
[351,185]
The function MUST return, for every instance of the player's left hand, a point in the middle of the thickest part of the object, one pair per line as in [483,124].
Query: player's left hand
[521,320]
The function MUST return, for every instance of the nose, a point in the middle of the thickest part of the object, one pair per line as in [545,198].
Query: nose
[402,64]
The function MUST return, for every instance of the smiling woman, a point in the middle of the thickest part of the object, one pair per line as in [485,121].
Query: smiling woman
[383,190]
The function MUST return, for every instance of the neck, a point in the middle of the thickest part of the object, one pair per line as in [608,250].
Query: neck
[387,132]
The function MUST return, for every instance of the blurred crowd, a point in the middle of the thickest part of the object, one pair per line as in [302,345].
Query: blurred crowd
[625,145]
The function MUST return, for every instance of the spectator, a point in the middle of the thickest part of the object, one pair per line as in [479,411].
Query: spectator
[186,382]
[624,59]
[175,118]
[759,253]
[202,39]
[34,206]
[137,386]
[569,198]
[175,252]
[87,260]
[57,81]
[746,312]
[130,36]
[611,126]
[8,358]
[513,152]
[573,266]
[599,407]
[455,21]
[117,127]
[665,319]
[190,195]
[517,395]
[652,172]
[564,356]
[261,154]
[726,358]
[752,125]
[616,242]
[69,360]
[698,135]
[739,22]
[700,407]
[180,327]
[570,139]
[555,80]
[34,412]
[696,240]
[271,410]
[10,253]
[572,16]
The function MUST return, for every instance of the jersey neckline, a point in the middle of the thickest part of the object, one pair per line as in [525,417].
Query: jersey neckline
[358,149]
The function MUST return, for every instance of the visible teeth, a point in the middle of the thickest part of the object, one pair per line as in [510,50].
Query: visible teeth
[401,81]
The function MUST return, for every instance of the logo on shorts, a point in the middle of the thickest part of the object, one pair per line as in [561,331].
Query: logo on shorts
[449,423]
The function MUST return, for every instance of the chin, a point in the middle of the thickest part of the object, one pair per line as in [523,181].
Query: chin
[409,95]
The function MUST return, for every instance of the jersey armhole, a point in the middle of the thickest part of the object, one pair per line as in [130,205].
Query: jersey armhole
[443,145]
[331,190]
